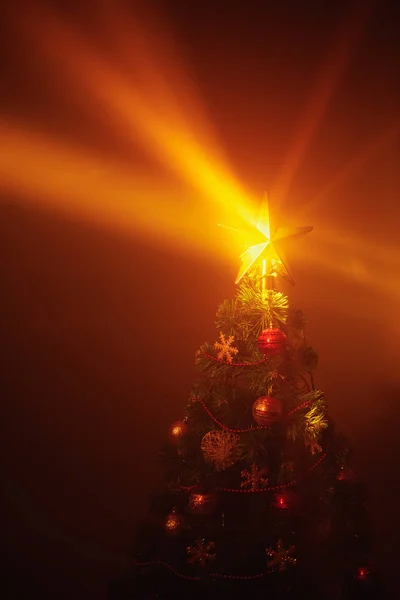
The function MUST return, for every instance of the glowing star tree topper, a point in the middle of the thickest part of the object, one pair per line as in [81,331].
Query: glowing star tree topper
[266,252]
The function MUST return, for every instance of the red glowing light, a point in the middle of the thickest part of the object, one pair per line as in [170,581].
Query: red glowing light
[362,573]
[285,500]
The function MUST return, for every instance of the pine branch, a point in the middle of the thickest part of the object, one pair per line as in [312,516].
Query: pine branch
[341,450]
[260,378]
[308,358]
[296,320]
[211,367]
[252,311]
[309,423]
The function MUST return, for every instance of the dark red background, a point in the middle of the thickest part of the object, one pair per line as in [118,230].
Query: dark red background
[99,329]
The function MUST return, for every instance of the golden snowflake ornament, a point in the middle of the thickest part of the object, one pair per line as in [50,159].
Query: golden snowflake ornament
[281,557]
[201,552]
[226,350]
[254,478]
[221,448]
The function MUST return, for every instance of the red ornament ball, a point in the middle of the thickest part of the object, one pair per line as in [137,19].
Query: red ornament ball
[363,573]
[271,341]
[178,431]
[266,410]
[201,503]
[285,500]
[173,523]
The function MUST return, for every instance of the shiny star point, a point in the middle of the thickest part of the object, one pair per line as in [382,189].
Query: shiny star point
[267,249]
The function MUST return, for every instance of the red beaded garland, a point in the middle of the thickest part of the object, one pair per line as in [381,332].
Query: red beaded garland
[271,341]
[266,410]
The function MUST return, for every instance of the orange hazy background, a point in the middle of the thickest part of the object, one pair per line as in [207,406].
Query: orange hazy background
[128,132]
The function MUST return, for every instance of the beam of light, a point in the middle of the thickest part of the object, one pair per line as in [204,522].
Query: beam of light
[332,70]
[137,98]
[69,180]
[264,221]
[372,265]
[141,111]
[370,150]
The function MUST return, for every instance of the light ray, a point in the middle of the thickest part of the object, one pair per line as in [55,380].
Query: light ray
[373,265]
[332,71]
[138,114]
[370,150]
[66,179]
[140,101]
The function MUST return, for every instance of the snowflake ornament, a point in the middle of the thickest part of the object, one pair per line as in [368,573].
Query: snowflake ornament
[254,478]
[280,557]
[226,350]
[201,552]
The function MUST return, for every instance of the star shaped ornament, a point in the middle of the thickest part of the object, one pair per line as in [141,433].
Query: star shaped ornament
[266,252]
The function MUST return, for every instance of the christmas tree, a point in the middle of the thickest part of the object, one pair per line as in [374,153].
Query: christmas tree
[259,497]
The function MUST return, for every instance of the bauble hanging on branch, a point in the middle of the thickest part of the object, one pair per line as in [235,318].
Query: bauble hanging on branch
[363,573]
[178,431]
[271,341]
[221,449]
[173,523]
[202,503]
[267,410]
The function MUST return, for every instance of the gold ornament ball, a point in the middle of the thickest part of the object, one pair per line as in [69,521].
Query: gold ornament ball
[222,449]
[266,410]
[201,503]
[178,431]
[173,523]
